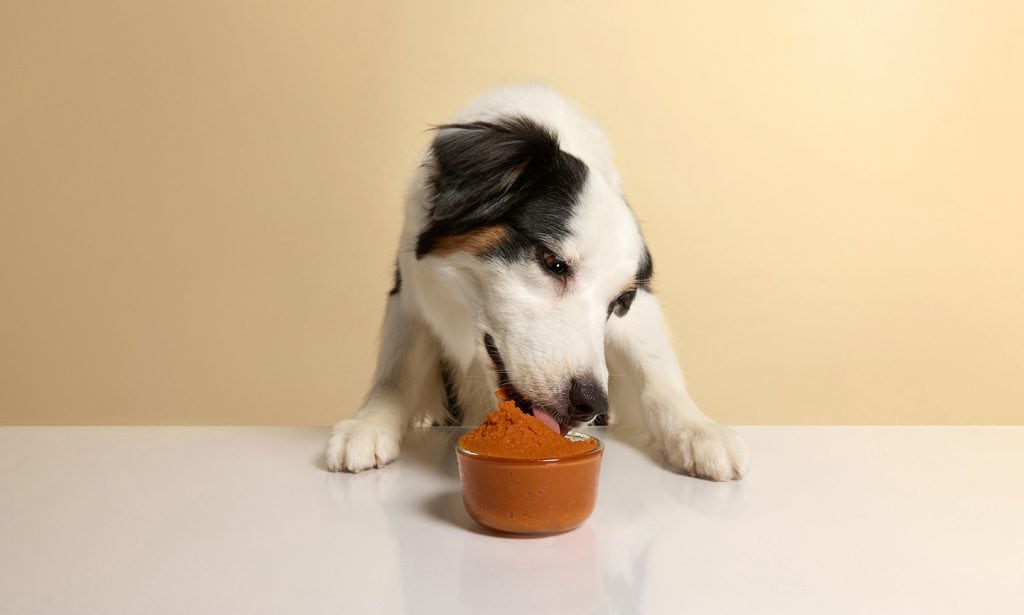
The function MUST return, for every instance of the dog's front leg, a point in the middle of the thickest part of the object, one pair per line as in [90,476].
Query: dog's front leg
[402,384]
[691,441]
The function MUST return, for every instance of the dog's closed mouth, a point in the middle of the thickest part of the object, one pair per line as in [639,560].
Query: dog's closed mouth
[510,391]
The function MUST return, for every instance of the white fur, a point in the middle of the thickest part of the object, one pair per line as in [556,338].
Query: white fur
[447,302]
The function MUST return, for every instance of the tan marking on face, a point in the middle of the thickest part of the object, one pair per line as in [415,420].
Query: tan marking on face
[476,242]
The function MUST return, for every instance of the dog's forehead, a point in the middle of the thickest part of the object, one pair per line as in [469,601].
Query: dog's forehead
[603,233]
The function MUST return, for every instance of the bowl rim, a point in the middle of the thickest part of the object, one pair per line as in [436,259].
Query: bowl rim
[597,450]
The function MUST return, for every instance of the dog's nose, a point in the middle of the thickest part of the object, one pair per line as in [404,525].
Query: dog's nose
[587,399]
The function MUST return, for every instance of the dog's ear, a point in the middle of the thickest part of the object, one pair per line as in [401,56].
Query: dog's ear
[481,170]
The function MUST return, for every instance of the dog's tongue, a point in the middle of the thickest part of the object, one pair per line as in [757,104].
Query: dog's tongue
[549,421]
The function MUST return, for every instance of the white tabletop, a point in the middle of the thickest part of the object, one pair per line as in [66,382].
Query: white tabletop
[247,520]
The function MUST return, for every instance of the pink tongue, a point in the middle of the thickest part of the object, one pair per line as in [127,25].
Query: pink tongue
[549,421]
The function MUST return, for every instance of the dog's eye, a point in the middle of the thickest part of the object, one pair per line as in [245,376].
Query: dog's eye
[554,264]
[622,303]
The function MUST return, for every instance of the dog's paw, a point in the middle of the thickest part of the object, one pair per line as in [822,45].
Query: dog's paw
[357,445]
[706,450]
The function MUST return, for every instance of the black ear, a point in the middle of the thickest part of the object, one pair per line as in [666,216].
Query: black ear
[480,170]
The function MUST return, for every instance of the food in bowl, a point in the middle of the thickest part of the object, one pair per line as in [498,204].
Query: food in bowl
[510,433]
[518,476]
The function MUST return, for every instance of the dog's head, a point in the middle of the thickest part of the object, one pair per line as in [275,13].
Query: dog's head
[529,253]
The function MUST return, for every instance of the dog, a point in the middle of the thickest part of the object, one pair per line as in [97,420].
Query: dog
[521,268]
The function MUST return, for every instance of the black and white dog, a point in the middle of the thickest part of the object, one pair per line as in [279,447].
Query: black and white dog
[522,268]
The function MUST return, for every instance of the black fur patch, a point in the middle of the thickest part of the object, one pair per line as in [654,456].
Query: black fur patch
[509,172]
[396,287]
[645,271]
[451,398]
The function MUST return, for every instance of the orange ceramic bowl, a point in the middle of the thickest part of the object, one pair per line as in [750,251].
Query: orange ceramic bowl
[530,496]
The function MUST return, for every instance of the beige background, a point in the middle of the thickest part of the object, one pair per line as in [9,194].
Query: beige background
[200,200]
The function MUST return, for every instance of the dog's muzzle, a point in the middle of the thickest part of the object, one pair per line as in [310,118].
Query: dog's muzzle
[584,398]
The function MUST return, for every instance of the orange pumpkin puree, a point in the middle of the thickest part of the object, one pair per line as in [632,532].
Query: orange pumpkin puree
[510,433]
